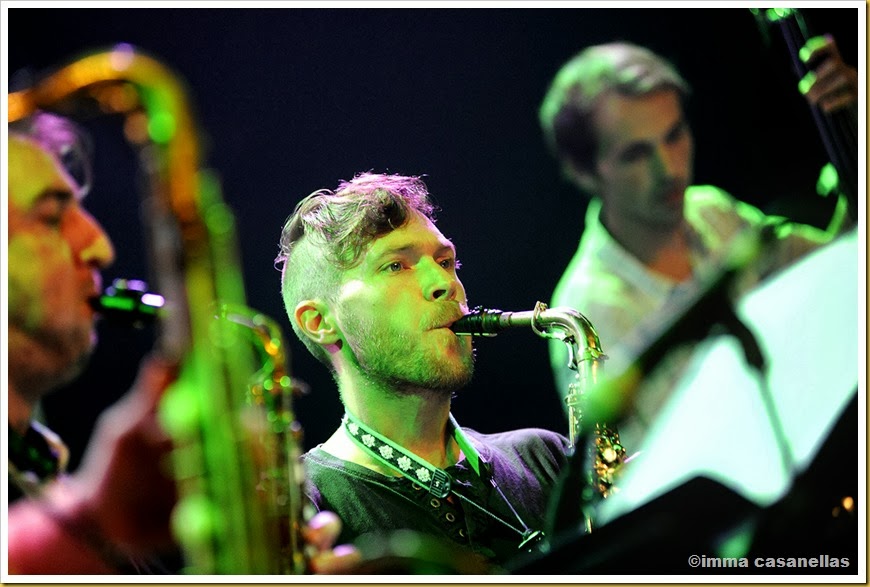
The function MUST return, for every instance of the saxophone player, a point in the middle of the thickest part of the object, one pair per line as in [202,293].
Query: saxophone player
[112,515]
[371,288]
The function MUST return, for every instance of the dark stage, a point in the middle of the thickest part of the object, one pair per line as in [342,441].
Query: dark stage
[291,100]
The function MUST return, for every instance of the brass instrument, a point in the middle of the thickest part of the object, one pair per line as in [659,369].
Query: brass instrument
[585,357]
[224,521]
[278,441]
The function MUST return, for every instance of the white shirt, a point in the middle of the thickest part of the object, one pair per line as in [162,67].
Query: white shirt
[629,305]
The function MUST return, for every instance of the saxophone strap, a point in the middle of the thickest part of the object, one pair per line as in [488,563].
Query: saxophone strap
[437,481]
[406,463]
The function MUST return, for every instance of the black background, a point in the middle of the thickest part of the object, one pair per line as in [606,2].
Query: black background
[291,100]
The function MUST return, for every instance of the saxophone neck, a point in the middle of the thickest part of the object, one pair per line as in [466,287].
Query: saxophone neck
[562,323]
[573,329]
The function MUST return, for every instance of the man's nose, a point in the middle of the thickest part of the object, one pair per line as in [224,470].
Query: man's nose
[439,283]
[667,161]
[89,241]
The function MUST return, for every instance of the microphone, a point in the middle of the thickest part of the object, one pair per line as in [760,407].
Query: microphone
[128,302]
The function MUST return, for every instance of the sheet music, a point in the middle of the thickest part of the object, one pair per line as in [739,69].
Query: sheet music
[807,322]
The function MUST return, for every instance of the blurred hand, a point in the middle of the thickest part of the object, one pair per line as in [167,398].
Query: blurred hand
[320,535]
[124,493]
[831,84]
[125,484]
[117,504]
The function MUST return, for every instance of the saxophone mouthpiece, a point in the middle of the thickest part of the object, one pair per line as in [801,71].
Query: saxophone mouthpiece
[479,322]
[128,302]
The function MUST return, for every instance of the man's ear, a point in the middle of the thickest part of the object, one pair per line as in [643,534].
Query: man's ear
[583,178]
[315,319]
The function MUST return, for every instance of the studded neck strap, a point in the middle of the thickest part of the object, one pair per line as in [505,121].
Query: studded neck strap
[406,463]
[435,480]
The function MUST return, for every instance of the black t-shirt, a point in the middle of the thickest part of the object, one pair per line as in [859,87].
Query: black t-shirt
[525,465]
[32,461]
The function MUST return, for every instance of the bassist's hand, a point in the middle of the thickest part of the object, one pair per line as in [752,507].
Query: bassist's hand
[831,84]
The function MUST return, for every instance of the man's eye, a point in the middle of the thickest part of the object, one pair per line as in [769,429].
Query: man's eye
[676,134]
[52,220]
[50,211]
[451,263]
[393,267]
[635,153]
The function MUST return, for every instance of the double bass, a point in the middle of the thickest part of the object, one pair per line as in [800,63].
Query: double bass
[838,130]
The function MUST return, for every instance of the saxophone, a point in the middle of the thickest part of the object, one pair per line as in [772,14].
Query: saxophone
[278,439]
[235,457]
[585,357]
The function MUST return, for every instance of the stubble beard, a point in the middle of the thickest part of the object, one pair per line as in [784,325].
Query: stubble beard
[40,364]
[390,361]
